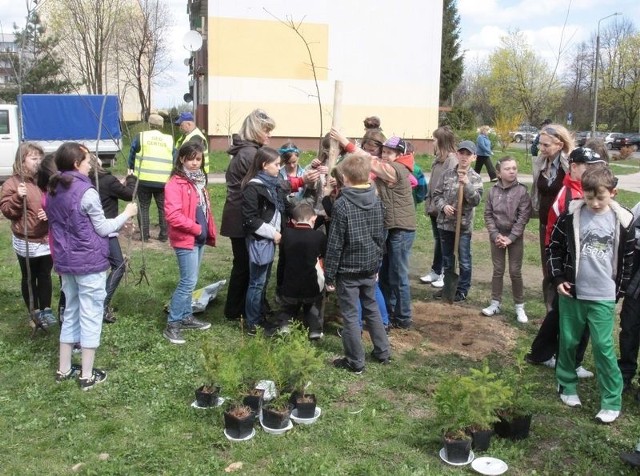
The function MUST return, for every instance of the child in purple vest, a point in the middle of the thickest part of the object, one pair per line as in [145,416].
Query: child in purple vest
[80,249]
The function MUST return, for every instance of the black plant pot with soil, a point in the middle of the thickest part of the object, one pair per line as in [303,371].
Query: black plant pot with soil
[276,418]
[238,421]
[207,395]
[514,428]
[481,439]
[306,404]
[456,451]
[254,399]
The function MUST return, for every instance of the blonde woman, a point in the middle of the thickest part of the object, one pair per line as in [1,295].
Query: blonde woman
[484,153]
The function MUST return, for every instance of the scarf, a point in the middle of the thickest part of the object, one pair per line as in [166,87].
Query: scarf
[273,185]
[199,179]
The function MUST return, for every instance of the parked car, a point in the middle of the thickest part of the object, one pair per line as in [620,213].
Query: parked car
[608,140]
[582,137]
[525,132]
[626,140]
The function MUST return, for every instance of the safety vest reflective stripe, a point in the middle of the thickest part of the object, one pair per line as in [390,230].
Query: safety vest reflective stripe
[155,160]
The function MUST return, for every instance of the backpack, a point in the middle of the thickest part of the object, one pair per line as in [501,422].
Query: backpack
[420,190]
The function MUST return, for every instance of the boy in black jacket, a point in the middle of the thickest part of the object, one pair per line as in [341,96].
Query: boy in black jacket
[590,258]
[303,277]
[354,251]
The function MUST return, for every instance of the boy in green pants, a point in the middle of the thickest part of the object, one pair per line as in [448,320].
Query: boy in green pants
[590,258]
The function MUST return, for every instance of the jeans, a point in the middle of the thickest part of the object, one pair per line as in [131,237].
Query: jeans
[349,292]
[311,309]
[436,265]
[84,307]
[394,274]
[258,278]
[382,306]
[189,267]
[238,280]
[144,199]
[447,240]
[40,280]
[630,330]
[117,269]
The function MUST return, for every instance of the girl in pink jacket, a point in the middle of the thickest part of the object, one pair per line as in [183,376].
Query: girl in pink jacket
[190,224]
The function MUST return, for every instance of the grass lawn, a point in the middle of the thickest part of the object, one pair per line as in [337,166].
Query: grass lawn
[139,421]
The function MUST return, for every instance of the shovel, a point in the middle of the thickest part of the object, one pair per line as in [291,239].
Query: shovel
[451,276]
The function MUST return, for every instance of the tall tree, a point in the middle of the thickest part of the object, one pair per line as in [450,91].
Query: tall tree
[451,60]
[36,65]
[143,55]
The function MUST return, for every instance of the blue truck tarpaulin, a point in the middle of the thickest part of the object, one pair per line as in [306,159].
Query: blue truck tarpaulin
[50,117]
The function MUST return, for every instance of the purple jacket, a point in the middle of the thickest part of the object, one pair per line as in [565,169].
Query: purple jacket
[76,248]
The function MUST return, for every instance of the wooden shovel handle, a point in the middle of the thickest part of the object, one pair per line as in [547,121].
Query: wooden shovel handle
[456,241]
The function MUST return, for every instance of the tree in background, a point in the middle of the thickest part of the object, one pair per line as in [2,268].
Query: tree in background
[451,60]
[36,65]
[143,51]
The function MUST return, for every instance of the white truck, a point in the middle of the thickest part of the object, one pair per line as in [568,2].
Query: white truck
[51,119]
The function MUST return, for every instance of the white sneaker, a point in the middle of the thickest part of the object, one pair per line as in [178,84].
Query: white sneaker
[493,309]
[521,316]
[429,277]
[583,373]
[551,363]
[572,401]
[439,283]
[607,416]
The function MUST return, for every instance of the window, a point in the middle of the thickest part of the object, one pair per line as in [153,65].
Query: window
[4,122]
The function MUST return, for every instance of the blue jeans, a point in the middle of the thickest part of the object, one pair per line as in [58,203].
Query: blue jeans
[83,312]
[382,306]
[189,267]
[394,274]
[447,239]
[436,265]
[258,278]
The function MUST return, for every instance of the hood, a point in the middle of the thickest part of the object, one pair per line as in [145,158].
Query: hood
[407,160]
[501,185]
[238,143]
[364,198]
[622,214]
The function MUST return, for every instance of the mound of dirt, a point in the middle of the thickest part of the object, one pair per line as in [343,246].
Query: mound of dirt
[440,328]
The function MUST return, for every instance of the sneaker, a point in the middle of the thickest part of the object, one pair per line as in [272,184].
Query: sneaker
[493,309]
[47,317]
[97,376]
[251,331]
[571,400]
[583,373]
[404,324]
[72,373]
[190,323]
[430,277]
[551,363]
[607,416]
[459,297]
[343,363]
[386,361]
[521,316]
[631,458]
[109,316]
[172,334]
[438,283]
[316,335]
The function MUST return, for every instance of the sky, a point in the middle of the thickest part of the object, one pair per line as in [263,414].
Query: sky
[549,25]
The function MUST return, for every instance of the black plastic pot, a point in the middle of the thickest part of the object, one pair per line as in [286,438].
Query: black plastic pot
[276,419]
[306,409]
[207,398]
[457,451]
[237,427]
[481,439]
[514,428]
[255,400]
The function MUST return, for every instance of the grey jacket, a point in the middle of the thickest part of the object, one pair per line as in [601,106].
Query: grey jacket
[507,210]
[446,193]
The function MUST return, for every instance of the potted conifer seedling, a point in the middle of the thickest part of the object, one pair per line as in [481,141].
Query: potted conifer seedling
[454,416]
[207,395]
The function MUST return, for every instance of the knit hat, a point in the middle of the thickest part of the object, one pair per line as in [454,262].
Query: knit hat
[468,145]
[396,143]
[156,120]
[584,155]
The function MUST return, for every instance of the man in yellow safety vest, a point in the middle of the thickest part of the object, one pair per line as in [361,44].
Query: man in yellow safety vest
[151,159]
[191,133]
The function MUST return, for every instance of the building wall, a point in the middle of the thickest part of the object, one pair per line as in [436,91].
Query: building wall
[387,58]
